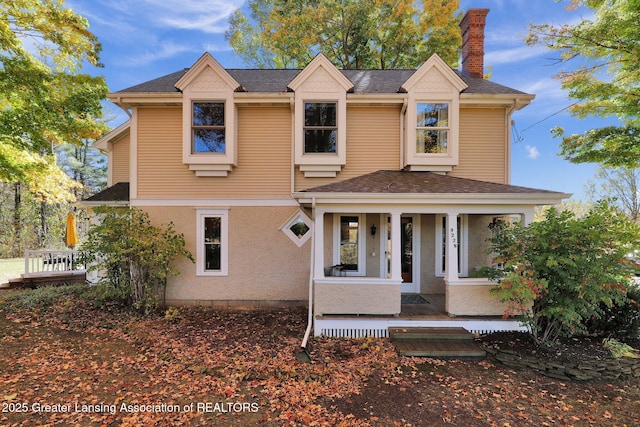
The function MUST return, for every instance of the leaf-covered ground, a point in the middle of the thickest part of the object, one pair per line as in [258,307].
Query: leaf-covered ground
[75,365]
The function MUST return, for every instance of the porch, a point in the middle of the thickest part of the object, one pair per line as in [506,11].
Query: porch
[389,233]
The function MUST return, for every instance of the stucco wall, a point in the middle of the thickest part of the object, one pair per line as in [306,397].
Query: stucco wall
[355,298]
[264,264]
[471,299]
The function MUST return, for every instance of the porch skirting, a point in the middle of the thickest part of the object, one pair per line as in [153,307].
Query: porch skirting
[377,327]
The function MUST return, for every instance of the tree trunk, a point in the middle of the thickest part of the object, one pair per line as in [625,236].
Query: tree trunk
[17,223]
[43,232]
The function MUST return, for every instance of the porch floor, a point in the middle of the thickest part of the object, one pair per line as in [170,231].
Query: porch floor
[433,308]
[429,314]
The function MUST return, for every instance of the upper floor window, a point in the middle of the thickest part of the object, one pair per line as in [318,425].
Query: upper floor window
[208,130]
[432,128]
[320,127]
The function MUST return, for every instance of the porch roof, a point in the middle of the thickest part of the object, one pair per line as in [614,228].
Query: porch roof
[116,195]
[399,184]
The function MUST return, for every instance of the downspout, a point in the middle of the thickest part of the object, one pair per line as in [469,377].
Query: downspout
[403,146]
[119,103]
[508,113]
[292,102]
[304,355]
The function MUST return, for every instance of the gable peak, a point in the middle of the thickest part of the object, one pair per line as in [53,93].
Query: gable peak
[206,61]
[435,63]
[320,62]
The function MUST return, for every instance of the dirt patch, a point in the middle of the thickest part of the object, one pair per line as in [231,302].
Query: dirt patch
[239,368]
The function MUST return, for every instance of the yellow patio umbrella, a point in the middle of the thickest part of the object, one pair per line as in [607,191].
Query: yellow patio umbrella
[72,233]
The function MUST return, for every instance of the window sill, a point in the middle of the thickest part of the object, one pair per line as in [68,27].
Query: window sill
[211,170]
[320,171]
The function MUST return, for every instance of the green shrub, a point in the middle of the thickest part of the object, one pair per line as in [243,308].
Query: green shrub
[562,271]
[619,321]
[133,256]
[43,297]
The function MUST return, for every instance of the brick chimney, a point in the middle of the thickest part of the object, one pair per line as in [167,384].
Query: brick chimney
[472,29]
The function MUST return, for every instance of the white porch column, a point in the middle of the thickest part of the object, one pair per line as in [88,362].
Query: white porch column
[527,217]
[396,249]
[318,241]
[451,254]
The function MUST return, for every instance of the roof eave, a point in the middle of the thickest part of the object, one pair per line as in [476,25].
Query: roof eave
[134,99]
[541,198]
[508,100]
[112,203]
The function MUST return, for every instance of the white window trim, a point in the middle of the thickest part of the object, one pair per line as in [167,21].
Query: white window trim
[209,161]
[362,243]
[331,161]
[434,128]
[223,214]
[286,228]
[464,249]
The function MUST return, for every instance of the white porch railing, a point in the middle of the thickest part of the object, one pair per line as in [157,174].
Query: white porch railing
[43,263]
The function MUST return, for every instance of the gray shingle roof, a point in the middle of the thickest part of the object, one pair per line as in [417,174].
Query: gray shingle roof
[364,81]
[404,182]
[116,193]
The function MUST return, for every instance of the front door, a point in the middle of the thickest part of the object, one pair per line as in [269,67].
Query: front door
[410,250]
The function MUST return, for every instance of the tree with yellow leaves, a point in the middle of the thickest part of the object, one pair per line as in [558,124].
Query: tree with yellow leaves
[353,34]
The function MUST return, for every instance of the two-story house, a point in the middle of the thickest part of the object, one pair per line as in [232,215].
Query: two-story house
[341,189]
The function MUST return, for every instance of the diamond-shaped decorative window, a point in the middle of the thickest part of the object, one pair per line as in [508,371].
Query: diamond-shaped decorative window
[298,228]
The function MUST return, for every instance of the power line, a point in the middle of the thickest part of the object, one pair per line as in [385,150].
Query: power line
[517,136]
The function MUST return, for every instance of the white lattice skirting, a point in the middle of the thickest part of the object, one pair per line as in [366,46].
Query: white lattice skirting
[357,328]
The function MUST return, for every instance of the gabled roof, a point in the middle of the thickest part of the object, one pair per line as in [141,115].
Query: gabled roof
[205,62]
[113,135]
[320,62]
[391,181]
[441,67]
[364,82]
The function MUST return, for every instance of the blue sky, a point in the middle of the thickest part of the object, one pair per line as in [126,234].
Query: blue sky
[144,39]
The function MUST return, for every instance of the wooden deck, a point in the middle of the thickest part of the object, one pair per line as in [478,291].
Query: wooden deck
[46,279]
[49,267]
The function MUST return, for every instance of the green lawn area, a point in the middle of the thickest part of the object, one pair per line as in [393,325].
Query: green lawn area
[11,268]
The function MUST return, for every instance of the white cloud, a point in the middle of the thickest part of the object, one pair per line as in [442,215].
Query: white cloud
[513,55]
[532,152]
[162,51]
[197,15]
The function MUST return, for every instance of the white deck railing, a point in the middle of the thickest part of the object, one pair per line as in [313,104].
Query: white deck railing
[52,263]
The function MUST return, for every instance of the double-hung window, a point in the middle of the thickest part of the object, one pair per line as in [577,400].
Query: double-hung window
[320,127]
[432,128]
[213,242]
[207,128]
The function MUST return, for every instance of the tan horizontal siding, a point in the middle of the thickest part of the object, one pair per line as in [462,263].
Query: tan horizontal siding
[483,145]
[264,141]
[120,159]
[373,143]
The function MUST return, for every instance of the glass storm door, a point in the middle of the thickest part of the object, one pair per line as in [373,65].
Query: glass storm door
[409,252]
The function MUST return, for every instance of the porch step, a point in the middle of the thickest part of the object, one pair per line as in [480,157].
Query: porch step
[437,343]
[430,334]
